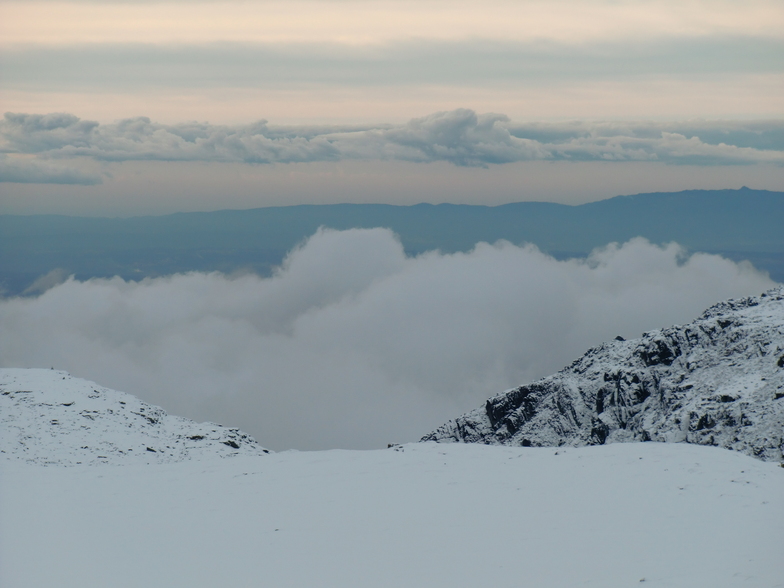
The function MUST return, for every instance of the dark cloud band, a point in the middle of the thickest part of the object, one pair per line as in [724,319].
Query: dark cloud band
[461,137]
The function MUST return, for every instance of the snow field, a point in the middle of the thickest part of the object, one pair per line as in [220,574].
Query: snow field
[420,515]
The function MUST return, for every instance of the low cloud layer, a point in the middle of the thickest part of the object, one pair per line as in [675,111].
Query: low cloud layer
[460,137]
[351,343]
[23,171]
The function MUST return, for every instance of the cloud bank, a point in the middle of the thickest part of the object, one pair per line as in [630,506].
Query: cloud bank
[352,344]
[36,172]
[320,65]
[461,137]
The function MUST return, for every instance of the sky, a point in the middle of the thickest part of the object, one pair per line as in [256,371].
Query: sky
[120,108]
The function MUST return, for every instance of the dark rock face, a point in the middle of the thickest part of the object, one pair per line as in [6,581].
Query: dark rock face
[715,381]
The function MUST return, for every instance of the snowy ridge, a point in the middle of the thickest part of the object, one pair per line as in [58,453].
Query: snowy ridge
[718,380]
[50,417]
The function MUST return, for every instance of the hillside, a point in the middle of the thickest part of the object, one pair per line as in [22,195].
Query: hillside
[173,512]
[718,381]
[48,417]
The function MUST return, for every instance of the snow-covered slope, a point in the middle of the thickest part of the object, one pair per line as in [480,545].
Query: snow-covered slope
[423,515]
[716,381]
[49,417]
[419,516]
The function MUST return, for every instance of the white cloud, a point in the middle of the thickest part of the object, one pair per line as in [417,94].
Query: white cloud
[351,344]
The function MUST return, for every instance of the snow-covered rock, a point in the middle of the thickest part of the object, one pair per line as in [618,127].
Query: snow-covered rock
[716,381]
[50,417]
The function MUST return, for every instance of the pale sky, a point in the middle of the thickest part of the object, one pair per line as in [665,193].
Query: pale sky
[628,96]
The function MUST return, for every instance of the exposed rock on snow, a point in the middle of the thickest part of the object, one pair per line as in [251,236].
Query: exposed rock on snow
[716,381]
[49,417]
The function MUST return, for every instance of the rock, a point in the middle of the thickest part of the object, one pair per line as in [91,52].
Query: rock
[714,381]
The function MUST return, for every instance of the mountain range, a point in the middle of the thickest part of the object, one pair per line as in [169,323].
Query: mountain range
[738,224]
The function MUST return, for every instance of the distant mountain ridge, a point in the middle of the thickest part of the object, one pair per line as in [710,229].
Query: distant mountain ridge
[48,417]
[739,224]
[718,380]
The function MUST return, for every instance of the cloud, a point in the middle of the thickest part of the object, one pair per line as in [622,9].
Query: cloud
[34,172]
[141,139]
[46,282]
[461,137]
[697,142]
[353,344]
[463,63]
[756,134]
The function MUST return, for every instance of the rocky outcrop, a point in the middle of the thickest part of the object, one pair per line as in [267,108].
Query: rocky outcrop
[716,381]
[50,417]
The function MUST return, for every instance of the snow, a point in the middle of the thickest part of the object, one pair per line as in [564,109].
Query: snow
[718,381]
[420,515]
[50,417]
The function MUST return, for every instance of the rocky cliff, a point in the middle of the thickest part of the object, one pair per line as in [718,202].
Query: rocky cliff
[716,381]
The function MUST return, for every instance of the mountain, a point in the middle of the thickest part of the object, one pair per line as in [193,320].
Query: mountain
[172,513]
[718,380]
[49,417]
[739,224]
